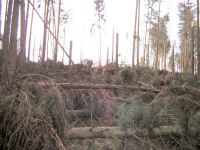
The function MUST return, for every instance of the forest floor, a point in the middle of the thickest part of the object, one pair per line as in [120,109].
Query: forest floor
[52,106]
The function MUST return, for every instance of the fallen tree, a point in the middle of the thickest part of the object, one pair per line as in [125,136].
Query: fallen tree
[113,132]
[106,86]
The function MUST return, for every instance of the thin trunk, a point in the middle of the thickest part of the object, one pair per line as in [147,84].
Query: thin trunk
[64,44]
[30,34]
[198,53]
[107,61]
[0,16]
[134,36]
[148,46]
[70,55]
[58,28]
[12,52]
[23,33]
[100,47]
[138,37]
[117,50]
[158,37]
[173,59]
[46,13]
[145,41]
[165,57]
[192,48]
[113,41]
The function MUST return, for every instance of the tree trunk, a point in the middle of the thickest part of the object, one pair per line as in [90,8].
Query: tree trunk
[117,132]
[113,41]
[117,49]
[145,41]
[148,46]
[0,17]
[138,36]
[6,42]
[134,36]
[192,47]
[30,34]
[107,61]
[58,29]
[198,52]
[23,34]
[105,86]
[99,47]
[158,37]
[12,52]
[173,59]
[46,14]
[70,55]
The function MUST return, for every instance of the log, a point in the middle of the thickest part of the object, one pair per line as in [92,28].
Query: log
[113,132]
[106,86]
[79,113]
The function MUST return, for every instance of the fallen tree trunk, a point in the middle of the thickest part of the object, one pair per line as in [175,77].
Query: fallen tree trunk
[105,86]
[113,132]
[79,113]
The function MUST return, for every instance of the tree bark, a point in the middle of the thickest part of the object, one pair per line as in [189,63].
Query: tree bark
[12,52]
[173,70]
[117,49]
[198,52]
[117,132]
[113,40]
[138,36]
[46,14]
[192,47]
[134,36]
[58,29]
[105,86]
[6,41]
[30,34]
[158,37]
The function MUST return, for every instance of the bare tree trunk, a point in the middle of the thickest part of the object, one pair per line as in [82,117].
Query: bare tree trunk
[117,49]
[173,71]
[46,14]
[148,46]
[58,28]
[12,52]
[30,34]
[138,36]
[107,61]
[113,41]
[134,36]
[145,41]
[158,37]
[70,55]
[64,43]
[192,47]
[1,16]
[165,56]
[100,48]
[6,42]
[198,52]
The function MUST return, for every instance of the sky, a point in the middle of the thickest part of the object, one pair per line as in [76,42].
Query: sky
[119,15]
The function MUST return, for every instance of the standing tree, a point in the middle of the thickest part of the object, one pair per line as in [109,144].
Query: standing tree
[198,52]
[138,35]
[134,35]
[99,7]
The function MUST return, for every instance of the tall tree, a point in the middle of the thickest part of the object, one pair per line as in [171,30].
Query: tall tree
[6,41]
[134,35]
[138,35]
[192,47]
[58,29]
[158,37]
[100,8]
[12,52]
[46,13]
[198,52]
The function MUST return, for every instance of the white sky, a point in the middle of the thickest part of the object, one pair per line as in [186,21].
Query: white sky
[119,14]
